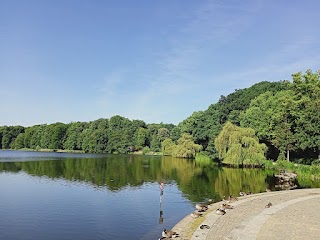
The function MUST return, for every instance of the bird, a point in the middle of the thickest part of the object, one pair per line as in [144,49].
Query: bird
[196,214]
[203,226]
[226,206]
[242,194]
[201,207]
[210,201]
[220,211]
[268,205]
[230,199]
[169,234]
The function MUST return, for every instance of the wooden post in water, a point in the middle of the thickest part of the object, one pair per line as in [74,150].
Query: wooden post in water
[161,186]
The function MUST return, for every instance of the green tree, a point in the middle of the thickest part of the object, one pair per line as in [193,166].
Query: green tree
[306,88]
[167,147]
[141,138]
[239,146]
[74,136]
[175,133]
[19,141]
[163,133]
[120,135]
[57,135]
[94,138]
[273,117]
[9,134]
[186,148]
[155,144]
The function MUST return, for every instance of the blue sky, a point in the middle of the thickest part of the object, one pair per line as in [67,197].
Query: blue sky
[158,61]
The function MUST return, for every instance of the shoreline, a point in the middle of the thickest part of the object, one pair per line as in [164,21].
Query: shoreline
[251,218]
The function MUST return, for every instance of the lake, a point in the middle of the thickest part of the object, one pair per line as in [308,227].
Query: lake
[101,196]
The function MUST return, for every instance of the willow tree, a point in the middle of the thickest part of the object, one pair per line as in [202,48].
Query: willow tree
[167,147]
[239,146]
[186,148]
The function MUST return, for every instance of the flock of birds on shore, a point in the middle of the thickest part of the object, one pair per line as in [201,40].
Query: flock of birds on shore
[201,208]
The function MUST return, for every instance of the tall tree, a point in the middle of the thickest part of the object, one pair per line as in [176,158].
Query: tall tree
[74,135]
[186,148]
[272,116]
[238,146]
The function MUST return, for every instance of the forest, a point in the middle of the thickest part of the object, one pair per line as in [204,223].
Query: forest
[269,120]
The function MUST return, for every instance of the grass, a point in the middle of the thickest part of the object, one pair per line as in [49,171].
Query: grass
[304,171]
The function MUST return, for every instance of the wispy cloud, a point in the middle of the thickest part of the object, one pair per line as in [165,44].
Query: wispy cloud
[206,29]
[209,27]
[176,80]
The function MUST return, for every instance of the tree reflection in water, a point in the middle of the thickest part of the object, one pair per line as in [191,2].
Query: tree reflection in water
[198,182]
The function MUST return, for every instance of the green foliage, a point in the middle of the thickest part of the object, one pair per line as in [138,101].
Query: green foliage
[155,144]
[145,150]
[8,136]
[272,116]
[289,119]
[141,138]
[285,116]
[121,133]
[175,134]
[186,148]
[19,141]
[204,126]
[203,159]
[74,136]
[163,134]
[167,147]
[239,146]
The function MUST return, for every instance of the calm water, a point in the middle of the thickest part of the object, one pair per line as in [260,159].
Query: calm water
[88,196]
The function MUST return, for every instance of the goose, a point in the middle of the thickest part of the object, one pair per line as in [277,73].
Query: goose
[196,214]
[226,206]
[203,226]
[230,199]
[169,234]
[201,207]
[268,205]
[220,211]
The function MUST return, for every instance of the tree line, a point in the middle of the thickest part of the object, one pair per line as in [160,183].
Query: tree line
[273,120]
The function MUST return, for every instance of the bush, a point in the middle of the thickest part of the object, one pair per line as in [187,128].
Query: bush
[145,150]
[202,158]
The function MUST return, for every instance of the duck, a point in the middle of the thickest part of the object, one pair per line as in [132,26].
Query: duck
[204,226]
[201,207]
[242,194]
[226,206]
[220,211]
[210,200]
[230,199]
[196,214]
[268,205]
[169,234]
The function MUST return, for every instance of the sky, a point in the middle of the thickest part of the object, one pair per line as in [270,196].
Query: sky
[157,61]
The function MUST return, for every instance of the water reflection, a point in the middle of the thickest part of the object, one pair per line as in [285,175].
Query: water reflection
[82,197]
[197,182]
